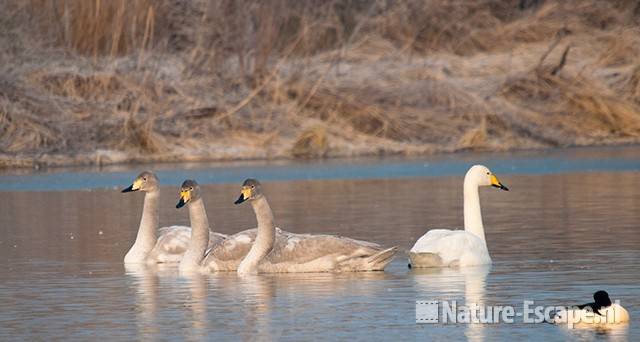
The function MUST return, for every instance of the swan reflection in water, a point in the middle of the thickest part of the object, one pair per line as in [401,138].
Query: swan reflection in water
[449,284]
[144,280]
[185,290]
[196,305]
[264,297]
[258,293]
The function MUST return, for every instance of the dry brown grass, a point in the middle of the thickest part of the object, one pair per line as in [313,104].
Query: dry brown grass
[97,81]
[312,143]
[98,27]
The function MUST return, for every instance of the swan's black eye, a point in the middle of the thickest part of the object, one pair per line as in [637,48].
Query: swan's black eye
[488,173]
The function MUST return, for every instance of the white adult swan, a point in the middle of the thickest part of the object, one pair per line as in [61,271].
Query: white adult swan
[204,257]
[601,312]
[304,252]
[468,247]
[172,242]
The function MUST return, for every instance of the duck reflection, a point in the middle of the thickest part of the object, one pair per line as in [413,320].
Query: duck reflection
[611,332]
[449,284]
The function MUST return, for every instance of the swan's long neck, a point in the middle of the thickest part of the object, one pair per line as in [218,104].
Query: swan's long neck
[264,241]
[472,213]
[146,238]
[199,236]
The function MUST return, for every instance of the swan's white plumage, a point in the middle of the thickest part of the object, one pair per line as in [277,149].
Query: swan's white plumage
[453,247]
[468,247]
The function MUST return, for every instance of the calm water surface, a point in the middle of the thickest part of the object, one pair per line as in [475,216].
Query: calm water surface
[555,238]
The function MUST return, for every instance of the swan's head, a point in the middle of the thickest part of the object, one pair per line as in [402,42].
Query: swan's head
[189,192]
[146,181]
[251,189]
[482,176]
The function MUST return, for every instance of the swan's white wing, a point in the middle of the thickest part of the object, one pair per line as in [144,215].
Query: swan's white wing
[428,243]
[173,242]
[453,247]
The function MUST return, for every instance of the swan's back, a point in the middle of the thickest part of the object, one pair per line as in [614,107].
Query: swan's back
[174,241]
[236,246]
[325,253]
[443,248]
[228,254]
[302,248]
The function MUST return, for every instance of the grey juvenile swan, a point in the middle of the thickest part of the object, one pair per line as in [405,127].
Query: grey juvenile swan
[172,241]
[223,255]
[304,252]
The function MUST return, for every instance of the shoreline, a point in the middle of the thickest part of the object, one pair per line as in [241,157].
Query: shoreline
[579,160]
[97,159]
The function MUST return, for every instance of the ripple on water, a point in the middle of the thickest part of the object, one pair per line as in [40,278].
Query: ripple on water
[554,239]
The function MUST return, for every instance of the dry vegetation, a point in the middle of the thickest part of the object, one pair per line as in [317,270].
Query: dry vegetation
[111,81]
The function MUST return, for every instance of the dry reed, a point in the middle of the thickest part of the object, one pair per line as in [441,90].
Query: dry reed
[97,81]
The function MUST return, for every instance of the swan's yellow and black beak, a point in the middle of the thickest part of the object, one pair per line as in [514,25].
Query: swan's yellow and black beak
[133,187]
[496,183]
[185,197]
[245,194]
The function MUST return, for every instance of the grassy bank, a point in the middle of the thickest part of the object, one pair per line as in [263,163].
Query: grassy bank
[99,81]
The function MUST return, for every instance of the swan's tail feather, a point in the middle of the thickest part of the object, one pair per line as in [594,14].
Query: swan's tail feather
[380,260]
[366,260]
[424,260]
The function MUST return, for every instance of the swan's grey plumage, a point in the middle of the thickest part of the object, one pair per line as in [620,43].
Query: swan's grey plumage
[289,252]
[468,247]
[153,245]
